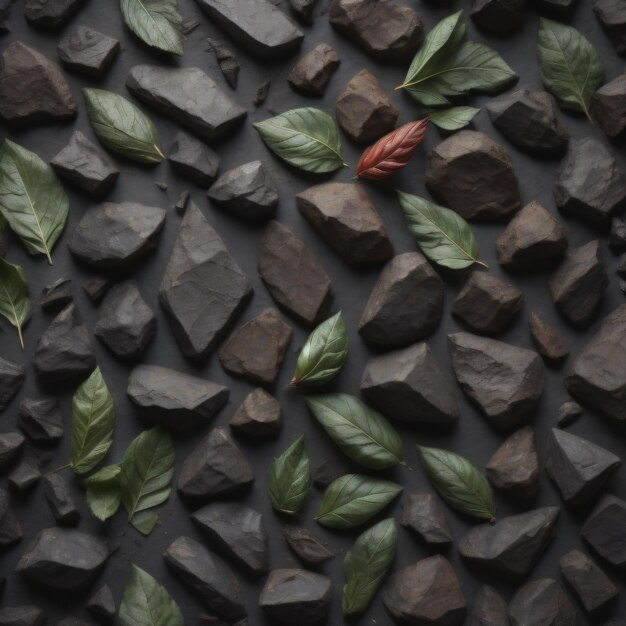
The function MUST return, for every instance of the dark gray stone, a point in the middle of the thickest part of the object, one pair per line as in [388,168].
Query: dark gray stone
[73,621]
[557,8]
[26,615]
[56,295]
[424,514]
[310,75]
[102,604]
[612,16]
[181,202]
[305,546]
[11,378]
[10,529]
[261,93]
[542,602]
[11,445]
[51,14]
[604,530]
[258,416]
[96,288]
[548,342]
[59,497]
[192,160]
[41,419]
[226,59]
[617,236]
[25,476]
[327,472]
[569,412]
[608,106]
[489,609]
[87,51]
[498,17]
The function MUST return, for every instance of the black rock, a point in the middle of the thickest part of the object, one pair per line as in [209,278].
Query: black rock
[102,604]
[5,14]
[26,615]
[10,529]
[115,236]
[238,532]
[86,166]
[247,191]
[296,596]
[327,472]
[96,288]
[73,621]
[208,576]
[41,419]
[63,559]
[303,10]
[59,497]
[579,283]
[542,602]
[548,342]
[229,65]
[568,412]
[127,324]
[604,530]
[25,476]
[405,305]
[200,258]
[11,379]
[87,51]
[64,353]
[408,385]
[608,106]
[51,14]
[181,202]
[489,609]
[258,416]
[193,160]
[261,93]
[11,445]
[612,16]
[498,17]
[214,468]
[513,545]
[305,546]
[515,382]
[310,75]
[558,8]
[423,514]
[56,295]
[189,96]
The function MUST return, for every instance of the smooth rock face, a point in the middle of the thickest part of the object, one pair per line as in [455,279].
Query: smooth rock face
[515,382]
[11,378]
[237,531]
[192,160]
[63,558]
[60,499]
[41,419]
[207,575]
[87,51]
[364,111]
[428,592]
[257,26]
[569,412]
[33,89]
[102,603]
[296,596]
[56,295]
[424,514]
[608,106]
[532,239]
[22,616]
[408,385]
[489,609]
[612,16]
[589,183]
[498,17]
[387,31]
[548,342]
[542,602]
[474,176]
[247,191]
[174,399]
[214,468]
[311,73]
[51,14]
[604,530]
[258,416]
[10,529]
[513,545]
[10,446]
[405,305]
[305,545]
[189,96]
[345,218]
[579,283]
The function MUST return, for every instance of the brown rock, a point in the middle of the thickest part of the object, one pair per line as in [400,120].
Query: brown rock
[548,342]
[489,609]
[608,106]
[311,73]
[258,416]
[542,602]
[604,530]
[306,546]
[424,514]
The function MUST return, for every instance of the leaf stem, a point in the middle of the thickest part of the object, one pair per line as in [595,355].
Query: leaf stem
[21,337]
[61,468]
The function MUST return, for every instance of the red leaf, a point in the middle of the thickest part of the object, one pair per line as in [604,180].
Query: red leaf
[391,152]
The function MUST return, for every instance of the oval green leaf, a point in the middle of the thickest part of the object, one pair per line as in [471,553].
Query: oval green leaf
[15,302]
[453,118]
[103,492]
[156,22]
[289,479]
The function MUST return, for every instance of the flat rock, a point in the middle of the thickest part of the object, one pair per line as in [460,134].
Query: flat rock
[25,615]
[303,10]
[608,106]
[292,596]
[612,16]
[310,75]
[102,604]
[386,30]
[51,14]
[305,546]
[258,416]
[200,317]
[11,378]
[208,576]
[498,17]
[579,283]
[11,445]
[515,382]
[33,89]
[569,411]
[60,499]
[97,287]
[364,111]
[10,529]
[192,160]
[408,385]
[88,51]
[227,61]
[550,345]
[542,602]
[187,95]
[25,476]
[423,514]
[474,176]
[56,295]
[215,467]
[604,530]
[489,609]
[427,592]
[238,532]
[405,305]
[513,545]
[41,419]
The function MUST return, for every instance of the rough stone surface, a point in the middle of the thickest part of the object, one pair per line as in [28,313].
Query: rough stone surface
[608,106]
[10,529]
[56,295]
[192,160]
[11,445]
[87,51]
[489,609]
[310,75]
[60,499]
[569,412]
[303,10]
[41,419]
[26,615]
[542,602]
[498,17]
[11,378]
[305,546]
[424,514]
[51,14]
[97,287]
[226,59]
[617,236]
[548,342]
[612,16]
[25,476]
[258,416]
[102,604]
[604,530]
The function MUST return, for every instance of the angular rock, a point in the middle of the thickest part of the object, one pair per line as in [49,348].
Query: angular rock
[327,472]
[60,499]
[88,51]
[578,467]
[498,17]
[33,89]
[296,596]
[256,350]
[41,419]
[51,14]
[515,382]
[214,468]
[303,10]
[310,75]
[604,530]
[542,602]
[386,30]
[589,183]
[259,27]
[364,111]
[489,609]
[96,288]
[229,65]
[617,236]
[532,239]
[612,16]
[487,304]
[11,445]
[608,106]
[568,412]
[261,93]
[102,604]
[258,416]
[408,385]
[115,236]
[56,295]
[238,532]
[10,529]
[63,559]
[405,305]
[558,8]
[25,615]
[192,160]
[199,317]
[189,96]
[579,283]
[86,166]
[474,176]
[11,379]
[305,546]
[181,203]
[174,399]
[247,191]
[427,592]
[548,342]
[424,514]
[25,476]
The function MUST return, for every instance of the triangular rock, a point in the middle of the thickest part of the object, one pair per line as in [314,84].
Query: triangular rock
[11,379]
[604,530]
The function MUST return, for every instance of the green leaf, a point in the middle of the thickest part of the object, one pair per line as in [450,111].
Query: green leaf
[306,138]
[145,521]
[453,118]
[570,66]
[361,432]
[122,127]
[442,235]
[289,480]
[353,499]
[366,564]
[146,603]
[32,199]
[146,477]
[323,354]
[156,22]
[15,303]
[103,492]
[93,421]
[458,482]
